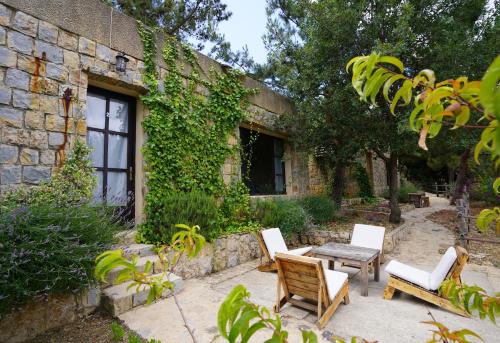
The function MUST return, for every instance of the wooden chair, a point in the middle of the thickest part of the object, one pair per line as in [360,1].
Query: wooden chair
[366,236]
[271,242]
[321,290]
[424,285]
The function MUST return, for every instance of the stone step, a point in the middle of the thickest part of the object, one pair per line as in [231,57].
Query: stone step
[117,299]
[141,264]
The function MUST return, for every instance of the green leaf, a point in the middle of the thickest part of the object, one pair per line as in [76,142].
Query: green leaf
[489,86]
[388,85]
[392,60]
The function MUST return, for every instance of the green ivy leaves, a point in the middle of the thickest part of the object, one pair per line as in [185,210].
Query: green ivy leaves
[191,116]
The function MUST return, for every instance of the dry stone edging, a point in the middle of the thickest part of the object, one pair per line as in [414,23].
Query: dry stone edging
[120,298]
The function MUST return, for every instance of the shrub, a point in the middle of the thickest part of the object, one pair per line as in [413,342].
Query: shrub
[46,249]
[235,207]
[286,214]
[193,208]
[405,188]
[73,183]
[319,207]
[365,187]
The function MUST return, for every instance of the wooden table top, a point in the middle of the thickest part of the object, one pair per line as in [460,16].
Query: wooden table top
[346,251]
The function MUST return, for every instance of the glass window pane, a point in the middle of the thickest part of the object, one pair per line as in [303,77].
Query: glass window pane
[280,183]
[96,111]
[97,195]
[95,140]
[278,166]
[117,188]
[118,115]
[117,151]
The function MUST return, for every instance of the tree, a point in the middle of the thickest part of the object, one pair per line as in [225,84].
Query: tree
[438,104]
[187,20]
[308,41]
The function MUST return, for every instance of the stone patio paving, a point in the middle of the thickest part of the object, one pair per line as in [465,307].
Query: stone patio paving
[372,317]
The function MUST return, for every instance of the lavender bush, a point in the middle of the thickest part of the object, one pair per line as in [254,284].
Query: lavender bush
[46,249]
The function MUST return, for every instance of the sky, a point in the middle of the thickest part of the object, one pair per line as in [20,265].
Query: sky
[247,25]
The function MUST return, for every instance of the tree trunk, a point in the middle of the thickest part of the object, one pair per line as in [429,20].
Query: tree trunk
[338,183]
[392,170]
[451,175]
[463,168]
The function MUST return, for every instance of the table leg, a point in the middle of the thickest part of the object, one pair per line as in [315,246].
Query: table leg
[376,266]
[364,279]
[331,264]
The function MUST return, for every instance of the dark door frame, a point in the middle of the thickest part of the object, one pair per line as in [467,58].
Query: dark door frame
[130,170]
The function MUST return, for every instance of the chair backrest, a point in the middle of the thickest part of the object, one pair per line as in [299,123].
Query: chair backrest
[302,276]
[368,236]
[450,266]
[274,241]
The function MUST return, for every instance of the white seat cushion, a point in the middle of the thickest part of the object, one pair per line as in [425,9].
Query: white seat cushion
[274,241]
[439,273]
[300,251]
[334,281]
[408,273]
[368,236]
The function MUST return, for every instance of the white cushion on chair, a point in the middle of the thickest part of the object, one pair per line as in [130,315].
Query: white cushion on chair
[334,281]
[300,251]
[274,241]
[408,273]
[439,273]
[368,236]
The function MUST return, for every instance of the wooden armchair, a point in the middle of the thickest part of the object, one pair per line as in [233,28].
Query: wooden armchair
[424,285]
[271,242]
[321,289]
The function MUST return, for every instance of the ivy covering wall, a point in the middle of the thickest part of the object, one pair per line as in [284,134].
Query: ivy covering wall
[191,115]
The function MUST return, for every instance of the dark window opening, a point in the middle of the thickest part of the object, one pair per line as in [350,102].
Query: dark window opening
[262,166]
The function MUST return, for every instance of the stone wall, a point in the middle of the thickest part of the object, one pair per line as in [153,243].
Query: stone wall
[223,253]
[41,315]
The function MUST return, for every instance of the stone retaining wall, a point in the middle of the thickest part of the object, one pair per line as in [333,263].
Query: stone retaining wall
[41,315]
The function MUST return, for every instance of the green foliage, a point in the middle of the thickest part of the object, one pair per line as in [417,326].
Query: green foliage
[50,249]
[186,241]
[185,20]
[118,331]
[133,338]
[73,183]
[435,103]
[365,187]
[285,214]
[405,188]
[240,318]
[192,208]
[472,299]
[187,133]
[235,207]
[319,207]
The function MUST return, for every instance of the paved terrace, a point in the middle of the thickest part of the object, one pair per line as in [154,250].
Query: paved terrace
[372,317]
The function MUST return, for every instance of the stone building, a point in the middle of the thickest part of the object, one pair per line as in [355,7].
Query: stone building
[58,81]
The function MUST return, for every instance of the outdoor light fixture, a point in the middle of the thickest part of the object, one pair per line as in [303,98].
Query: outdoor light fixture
[121,62]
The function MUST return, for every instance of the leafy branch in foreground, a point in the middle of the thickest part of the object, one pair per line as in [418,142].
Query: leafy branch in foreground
[443,334]
[239,319]
[449,102]
[185,241]
[471,299]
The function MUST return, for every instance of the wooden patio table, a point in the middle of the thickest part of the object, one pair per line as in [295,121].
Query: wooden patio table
[351,255]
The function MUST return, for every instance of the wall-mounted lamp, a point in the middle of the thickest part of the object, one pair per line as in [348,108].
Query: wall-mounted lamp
[121,62]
